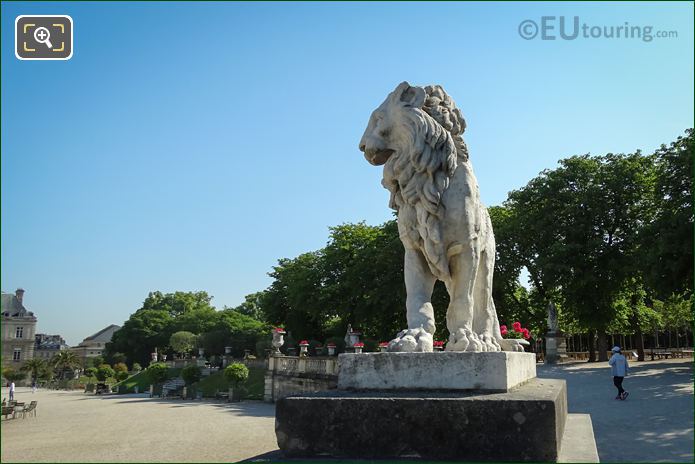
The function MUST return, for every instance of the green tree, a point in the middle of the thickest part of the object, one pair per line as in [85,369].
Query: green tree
[104,372]
[137,367]
[151,326]
[120,367]
[65,362]
[666,239]
[122,375]
[182,342]
[34,367]
[91,372]
[580,226]
[251,306]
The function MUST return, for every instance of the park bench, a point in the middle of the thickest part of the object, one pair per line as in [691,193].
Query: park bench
[7,411]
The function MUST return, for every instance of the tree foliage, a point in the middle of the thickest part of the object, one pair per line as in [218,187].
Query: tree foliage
[182,341]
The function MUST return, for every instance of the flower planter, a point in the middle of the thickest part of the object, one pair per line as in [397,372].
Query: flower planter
[331,350]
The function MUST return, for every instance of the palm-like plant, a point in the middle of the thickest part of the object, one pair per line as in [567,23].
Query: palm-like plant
[35,367]
[64,361]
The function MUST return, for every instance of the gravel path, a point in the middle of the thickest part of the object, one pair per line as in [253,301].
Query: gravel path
[654,424]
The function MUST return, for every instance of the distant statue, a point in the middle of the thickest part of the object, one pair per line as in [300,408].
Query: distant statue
[351,337]
[416,134]
[552,318]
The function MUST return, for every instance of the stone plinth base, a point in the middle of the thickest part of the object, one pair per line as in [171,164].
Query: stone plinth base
[555,348]
[447,370]
[523,424]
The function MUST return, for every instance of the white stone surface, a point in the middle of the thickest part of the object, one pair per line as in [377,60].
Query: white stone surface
[446,370]
[416,134]
[578,442]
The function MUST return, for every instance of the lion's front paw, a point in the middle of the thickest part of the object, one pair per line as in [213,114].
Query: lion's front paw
[489,342]
[410,340]
[464,340]
[513,344]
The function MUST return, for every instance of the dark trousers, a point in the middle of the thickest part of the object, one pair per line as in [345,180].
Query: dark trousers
[618,382]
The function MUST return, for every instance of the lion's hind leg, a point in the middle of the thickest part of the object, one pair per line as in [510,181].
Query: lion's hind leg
[485,323]
[459,315]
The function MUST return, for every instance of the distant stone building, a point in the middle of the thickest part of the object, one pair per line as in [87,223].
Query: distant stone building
[18,328]
[47,346]
[94,345]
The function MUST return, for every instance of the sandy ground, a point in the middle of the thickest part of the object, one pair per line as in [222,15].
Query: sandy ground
[654,424]
[74,427]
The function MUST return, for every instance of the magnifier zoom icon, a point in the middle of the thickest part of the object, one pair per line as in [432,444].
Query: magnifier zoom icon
[42,35]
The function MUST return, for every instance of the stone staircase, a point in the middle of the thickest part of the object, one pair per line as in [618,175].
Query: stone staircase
[172,385]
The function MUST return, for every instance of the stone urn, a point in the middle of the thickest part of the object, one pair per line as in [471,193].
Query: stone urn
[227,350]
[358,347]
[154,357]
[383,347]
[303,348]
[331,349]
[438,346]
[201,352]
[278,340]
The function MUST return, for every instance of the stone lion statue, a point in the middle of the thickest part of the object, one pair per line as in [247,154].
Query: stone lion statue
[446,231]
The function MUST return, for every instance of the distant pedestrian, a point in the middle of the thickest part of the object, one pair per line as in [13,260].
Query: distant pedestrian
[33,386]
[12,390]
[619,368]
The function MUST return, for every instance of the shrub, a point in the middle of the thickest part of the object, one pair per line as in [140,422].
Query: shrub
[191,374]
[137,367]
[158,372]
[104,372]
[120,367]
[122,375]
[236,373]
[13,375]
[91,372]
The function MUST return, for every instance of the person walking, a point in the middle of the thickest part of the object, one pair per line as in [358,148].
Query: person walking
[619,369]
[12,390]
[33,387]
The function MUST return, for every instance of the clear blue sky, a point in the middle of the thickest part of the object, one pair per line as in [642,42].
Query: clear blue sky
[189,146]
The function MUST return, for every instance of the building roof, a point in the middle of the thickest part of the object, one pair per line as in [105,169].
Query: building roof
[11,307]
[104,335]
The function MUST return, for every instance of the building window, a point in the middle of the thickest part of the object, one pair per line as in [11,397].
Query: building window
[19,332]
[17,355]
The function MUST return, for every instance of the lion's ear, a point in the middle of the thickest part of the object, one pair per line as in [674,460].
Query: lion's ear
[412,96]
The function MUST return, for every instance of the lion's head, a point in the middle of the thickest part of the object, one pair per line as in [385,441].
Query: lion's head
[409,118]
[416,134]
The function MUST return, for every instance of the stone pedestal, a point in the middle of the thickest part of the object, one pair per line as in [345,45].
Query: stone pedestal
[555,348]
[524,424]
[438,406]
[446,370]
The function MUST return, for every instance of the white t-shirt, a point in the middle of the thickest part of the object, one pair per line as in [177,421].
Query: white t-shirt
[12,387]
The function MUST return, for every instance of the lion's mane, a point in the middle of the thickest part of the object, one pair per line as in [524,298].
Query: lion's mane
[420,176]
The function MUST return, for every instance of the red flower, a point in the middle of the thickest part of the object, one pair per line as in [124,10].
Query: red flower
[383,344]
[438,343]
[304,342]
[331,344]
[503,330]
[358,345]
[279,329]
[526,333]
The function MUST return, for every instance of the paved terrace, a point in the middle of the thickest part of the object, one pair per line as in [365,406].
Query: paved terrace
[654,424]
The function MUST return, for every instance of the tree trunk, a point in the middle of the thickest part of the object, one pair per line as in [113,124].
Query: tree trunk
[602,345]
[592,351]
[634,321]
